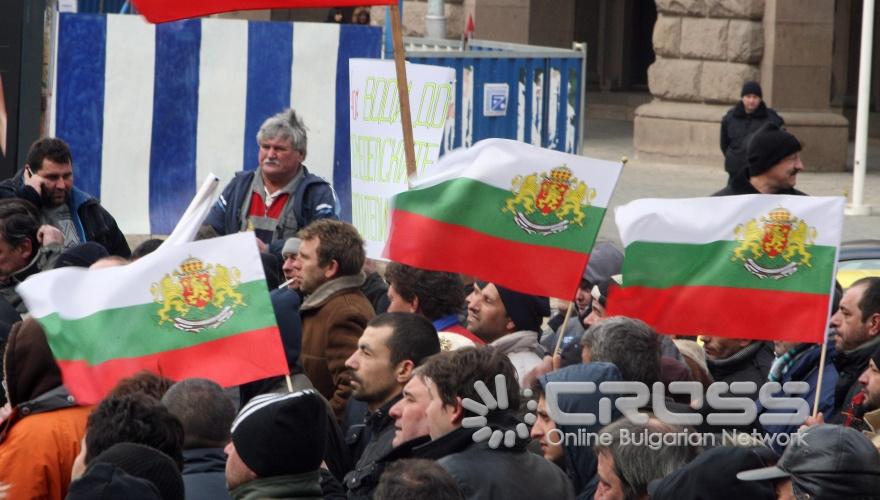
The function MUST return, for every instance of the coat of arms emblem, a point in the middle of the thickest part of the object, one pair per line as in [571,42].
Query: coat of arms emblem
[196,296]
[775,247]
[548,204]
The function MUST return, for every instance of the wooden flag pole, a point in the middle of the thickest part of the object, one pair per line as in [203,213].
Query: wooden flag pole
[819,380]
[562,329]
[403,91]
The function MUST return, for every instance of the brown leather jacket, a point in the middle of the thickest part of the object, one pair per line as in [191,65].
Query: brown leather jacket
[333,319]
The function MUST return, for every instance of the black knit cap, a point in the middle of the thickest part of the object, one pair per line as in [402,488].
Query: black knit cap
[876,357]
[526,311]
[82,255]
[148,463]
[751,87]
[768,146]
[110,482]
[281,434]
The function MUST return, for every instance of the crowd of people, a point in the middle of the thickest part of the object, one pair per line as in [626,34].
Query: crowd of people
[412,383]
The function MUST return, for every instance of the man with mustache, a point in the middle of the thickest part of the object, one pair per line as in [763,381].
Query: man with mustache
[280,197]
[391,347]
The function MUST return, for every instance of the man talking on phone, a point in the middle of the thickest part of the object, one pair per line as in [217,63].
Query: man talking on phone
[47,182]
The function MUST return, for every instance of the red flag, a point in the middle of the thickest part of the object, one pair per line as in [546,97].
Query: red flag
[468,32]
[160,11]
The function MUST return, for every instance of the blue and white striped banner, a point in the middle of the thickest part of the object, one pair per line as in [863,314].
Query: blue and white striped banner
[150,110]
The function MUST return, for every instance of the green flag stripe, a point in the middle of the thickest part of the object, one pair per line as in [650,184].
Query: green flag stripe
[466,202]
[664,265]
[135,331]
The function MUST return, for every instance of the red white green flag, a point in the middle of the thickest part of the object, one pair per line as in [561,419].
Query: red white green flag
[197,309]
[753,266]
[504,211]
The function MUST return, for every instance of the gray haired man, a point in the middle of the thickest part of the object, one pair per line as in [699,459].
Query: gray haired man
[280,197]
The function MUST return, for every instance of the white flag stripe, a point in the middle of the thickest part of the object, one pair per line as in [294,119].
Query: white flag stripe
[704,220]
[128,122]
[50,292]
[497,161]
[222,99]
[192,218]
[313,90]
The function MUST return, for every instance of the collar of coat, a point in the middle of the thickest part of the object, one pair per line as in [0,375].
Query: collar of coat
[326,291]
[760,112]
[743,355]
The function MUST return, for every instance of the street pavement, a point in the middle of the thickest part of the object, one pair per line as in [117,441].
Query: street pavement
[612,139]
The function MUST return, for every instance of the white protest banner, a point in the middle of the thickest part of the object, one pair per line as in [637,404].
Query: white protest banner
[378,163]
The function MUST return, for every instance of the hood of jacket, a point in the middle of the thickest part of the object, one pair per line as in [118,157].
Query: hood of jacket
[580,460]
[204,460]
[731,364]
[856,359]
[33,378]
[521,341]
[808,360]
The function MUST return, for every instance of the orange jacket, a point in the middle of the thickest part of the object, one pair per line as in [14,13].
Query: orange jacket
[37,455]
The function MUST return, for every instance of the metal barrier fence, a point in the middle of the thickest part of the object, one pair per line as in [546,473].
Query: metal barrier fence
[528,93]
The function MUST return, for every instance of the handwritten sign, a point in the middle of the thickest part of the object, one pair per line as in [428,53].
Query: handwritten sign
[378,161]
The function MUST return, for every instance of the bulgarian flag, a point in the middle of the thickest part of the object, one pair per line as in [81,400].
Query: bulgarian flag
[751,267]
[160,11]
[504,211]
[198,309]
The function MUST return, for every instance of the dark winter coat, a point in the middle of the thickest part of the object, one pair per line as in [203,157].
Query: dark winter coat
[737,127]
[204,474]
[92,221]
[751,364]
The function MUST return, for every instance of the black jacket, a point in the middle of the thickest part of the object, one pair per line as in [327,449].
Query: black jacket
[850,366]
[484,473]
[381,434]
[751,364]
[740,185]
[204,474]
[363,482]
[92,221]
[737,126]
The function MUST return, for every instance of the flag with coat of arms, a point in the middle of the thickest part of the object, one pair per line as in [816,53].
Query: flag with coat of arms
[189,309]
[746,267]
[507,212]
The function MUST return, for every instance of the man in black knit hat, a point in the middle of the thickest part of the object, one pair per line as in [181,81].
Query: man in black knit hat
[740,122]
[277,446]
[509,321]
[774,163]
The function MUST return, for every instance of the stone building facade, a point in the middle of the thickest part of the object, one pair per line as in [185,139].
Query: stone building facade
[705,49]
[688,59]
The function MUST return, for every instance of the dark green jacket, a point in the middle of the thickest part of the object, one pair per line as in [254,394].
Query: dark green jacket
[304,486]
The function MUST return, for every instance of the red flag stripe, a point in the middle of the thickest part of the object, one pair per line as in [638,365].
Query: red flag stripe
[772,315]
[258,354]
[160,11]
[427,243]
